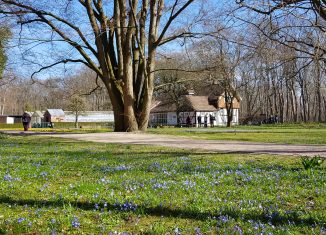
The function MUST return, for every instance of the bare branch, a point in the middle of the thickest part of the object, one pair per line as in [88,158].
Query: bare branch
[171,19]
[56,63]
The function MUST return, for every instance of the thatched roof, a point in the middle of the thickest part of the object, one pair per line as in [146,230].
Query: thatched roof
[163,107]
[200,103]
[189,103]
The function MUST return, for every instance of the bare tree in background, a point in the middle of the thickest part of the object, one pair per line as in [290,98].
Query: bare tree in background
[86,84]
[77,105]
[297,24]
[269,7]
[223,59]
[173,82]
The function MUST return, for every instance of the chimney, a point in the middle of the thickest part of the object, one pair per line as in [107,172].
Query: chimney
[191,92]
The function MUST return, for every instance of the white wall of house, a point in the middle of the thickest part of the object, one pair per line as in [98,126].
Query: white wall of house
[202,116]
[184,115]
[164,119]
[221,117]
[170,118]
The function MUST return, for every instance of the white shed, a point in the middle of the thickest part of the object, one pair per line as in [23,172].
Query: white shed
[7,120]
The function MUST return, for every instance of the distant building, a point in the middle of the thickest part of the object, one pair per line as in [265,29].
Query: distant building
[37,117]
[195,111]
[17,118]
[54,115]
[90,116]
[6,119]
[58,115]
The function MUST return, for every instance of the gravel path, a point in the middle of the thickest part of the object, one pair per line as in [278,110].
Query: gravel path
[210,145]
[188,143]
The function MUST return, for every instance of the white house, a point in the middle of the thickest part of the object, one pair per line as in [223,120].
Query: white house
[201,110]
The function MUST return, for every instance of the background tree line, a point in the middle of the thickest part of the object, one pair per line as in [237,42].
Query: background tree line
[19,94]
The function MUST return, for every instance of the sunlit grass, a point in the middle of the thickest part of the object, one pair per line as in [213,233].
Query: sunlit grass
[62,186]
[287,134]
[61,130]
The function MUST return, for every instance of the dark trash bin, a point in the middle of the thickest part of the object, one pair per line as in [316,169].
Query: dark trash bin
[26,119]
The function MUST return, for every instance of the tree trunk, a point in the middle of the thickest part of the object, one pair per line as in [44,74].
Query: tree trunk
[229,121]
[76,119]
[130,123]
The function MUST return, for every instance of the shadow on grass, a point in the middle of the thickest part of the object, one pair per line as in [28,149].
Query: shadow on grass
[272,217]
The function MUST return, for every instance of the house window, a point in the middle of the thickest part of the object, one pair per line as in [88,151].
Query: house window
[228,99]
[162,119]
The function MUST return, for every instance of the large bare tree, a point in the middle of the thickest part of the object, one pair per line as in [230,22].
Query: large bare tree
[117,39]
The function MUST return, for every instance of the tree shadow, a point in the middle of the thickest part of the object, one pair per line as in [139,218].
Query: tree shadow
[265,217]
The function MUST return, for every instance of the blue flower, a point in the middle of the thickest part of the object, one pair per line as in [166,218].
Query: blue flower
[189,184]
[154,166]
[75,223]
[160,186]
[237,229]
[176,231]
[223,218]
[127,206]
[97,206]
[20,220]
[7,177]
[44,174]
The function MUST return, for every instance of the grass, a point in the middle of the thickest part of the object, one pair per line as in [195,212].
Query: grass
[62,130]
[286,134]
[62,186]
[305,133]
[62,125]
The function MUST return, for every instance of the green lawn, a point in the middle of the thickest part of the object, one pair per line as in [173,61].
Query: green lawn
[62,186]
[289,134]
[61,130]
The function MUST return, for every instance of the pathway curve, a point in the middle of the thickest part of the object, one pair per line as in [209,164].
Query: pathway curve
[210,145]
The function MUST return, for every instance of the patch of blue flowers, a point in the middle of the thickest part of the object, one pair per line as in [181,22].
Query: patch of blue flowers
[126,206]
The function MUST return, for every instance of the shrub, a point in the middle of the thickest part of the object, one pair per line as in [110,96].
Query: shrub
[3,136]
[311,162]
